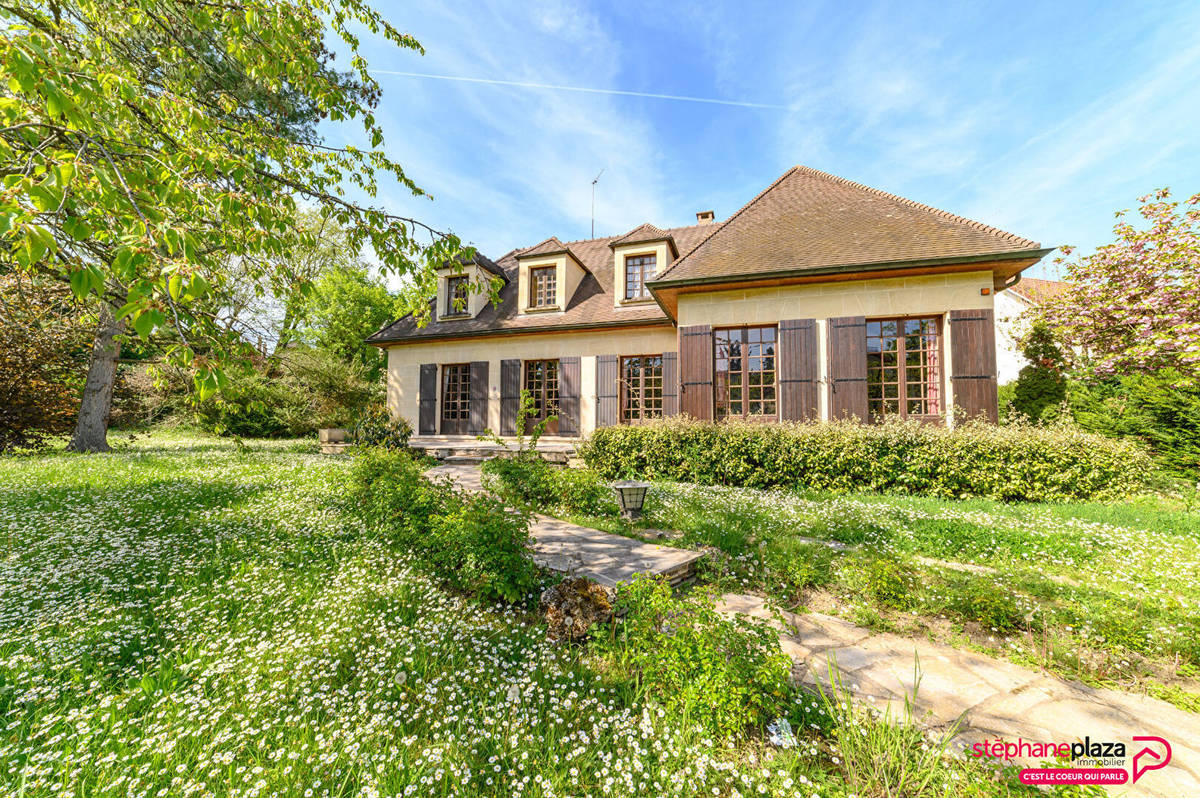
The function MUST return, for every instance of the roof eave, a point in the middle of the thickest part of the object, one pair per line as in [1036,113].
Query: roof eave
[383,342]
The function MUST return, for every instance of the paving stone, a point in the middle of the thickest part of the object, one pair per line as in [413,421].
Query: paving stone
[987,698]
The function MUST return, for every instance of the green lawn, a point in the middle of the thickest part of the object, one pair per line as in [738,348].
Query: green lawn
[193,617]
[1106,592]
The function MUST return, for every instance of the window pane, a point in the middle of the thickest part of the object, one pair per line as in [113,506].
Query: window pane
[639,269]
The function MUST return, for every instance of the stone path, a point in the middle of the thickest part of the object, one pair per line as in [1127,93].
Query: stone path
[572,549]
[989,698]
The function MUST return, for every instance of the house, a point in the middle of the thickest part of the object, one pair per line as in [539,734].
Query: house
[1011,308]
[821,298]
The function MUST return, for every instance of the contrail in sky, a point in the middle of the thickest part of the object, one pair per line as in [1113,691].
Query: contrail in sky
[584,89]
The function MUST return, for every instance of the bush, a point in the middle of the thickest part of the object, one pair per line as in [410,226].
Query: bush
[529,480]
[1017,462]
[1161,409]
[581,491]
[44,346]
[524,479]
[306,390]
[726,674]
[1041,386]
[376,426]
[472,542]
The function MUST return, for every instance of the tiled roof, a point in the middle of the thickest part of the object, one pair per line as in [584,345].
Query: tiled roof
[644,233]
[810,221]
[593,303]
[1037,290]
[551,246]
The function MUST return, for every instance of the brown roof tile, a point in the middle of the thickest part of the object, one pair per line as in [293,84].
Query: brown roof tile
[592,304]
[1037,291]
[811,220]
[645,233]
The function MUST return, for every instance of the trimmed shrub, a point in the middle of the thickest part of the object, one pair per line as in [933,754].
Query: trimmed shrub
[376,426]
[472,542]
[1017,462]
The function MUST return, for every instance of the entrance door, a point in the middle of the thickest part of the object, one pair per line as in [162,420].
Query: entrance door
[456,398]
[541,380]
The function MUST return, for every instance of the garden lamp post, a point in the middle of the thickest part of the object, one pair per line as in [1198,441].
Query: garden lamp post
[631,496]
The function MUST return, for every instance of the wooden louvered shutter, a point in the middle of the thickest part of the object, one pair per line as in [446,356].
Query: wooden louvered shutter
[799,369]
[510,395]
[696,371]
[427,400]
[973,363]
[568,396]
[478,419]
[848,367]
[606,390]
[670,384]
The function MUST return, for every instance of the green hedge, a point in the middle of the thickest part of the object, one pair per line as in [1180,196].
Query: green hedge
[1019,462]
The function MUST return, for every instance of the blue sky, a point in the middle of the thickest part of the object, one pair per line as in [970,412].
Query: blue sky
[1040,118]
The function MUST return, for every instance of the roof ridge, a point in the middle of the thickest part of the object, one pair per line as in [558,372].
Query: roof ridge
[954,217]
[614,236]
[726,223]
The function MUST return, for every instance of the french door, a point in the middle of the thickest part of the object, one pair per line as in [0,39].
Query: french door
[641,388]
[541,381]
[456,398]
[744,373]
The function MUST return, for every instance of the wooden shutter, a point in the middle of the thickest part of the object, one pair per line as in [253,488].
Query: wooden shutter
[670,384]
[568,396]
[510,395]
[799,369]
[479,397]
[427,400]
[696,370]
[973,363]
[606,390]
[848,367]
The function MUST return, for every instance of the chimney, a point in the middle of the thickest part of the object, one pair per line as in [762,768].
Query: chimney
[705,217]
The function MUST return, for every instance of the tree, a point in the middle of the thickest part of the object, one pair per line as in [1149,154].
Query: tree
[270,311]
[147,144]
[1042,384]
[345,306]
[43,357]
[1134,304]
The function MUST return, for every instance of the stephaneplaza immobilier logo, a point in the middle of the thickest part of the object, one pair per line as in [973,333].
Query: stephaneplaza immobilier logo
[1087,762]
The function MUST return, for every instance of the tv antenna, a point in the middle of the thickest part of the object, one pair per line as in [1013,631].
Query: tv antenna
[594,182]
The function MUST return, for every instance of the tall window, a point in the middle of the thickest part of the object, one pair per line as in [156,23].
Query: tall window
[744,377]
[456,397]
[904,367]
[456,296]
[641,388]
[542,287]
[541,381]
[638,270]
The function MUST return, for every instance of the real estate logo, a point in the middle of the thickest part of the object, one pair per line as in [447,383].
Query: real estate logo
[1090,762]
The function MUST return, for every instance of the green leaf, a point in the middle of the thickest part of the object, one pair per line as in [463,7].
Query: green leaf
[175,285]
[143,324]
[81,282]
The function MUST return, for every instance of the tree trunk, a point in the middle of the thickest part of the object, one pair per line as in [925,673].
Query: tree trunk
[91,428]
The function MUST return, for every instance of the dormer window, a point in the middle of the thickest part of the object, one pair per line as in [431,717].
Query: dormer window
[639,269]
[543,287]
[456,296]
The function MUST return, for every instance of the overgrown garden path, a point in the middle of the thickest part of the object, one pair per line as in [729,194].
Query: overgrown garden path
[977,697]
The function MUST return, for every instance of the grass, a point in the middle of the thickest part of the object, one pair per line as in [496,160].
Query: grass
[1106,592]
[190,616]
